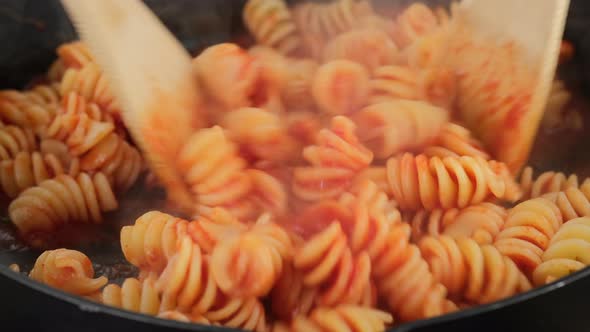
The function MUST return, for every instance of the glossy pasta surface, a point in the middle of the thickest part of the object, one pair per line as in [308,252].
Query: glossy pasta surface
[339,185]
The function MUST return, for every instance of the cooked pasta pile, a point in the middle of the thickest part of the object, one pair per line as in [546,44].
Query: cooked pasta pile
[336,189]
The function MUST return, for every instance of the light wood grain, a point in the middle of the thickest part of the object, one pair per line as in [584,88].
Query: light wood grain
[150,73]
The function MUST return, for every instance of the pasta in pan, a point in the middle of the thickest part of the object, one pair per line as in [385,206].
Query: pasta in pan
[349,173]
[69,270]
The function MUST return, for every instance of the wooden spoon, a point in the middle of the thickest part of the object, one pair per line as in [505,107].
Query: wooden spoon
[506,52]
[150,73]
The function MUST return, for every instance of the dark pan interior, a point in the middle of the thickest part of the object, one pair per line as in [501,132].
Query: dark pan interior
[29,33]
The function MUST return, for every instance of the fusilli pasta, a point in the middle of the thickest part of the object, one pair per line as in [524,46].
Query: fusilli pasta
[75,55]
[332,178]
[572,202]
[26,110]
[567,252]
[272,25]
[215,172]
[370,47]
[328,263]
[270,141]
[547,182]
[152,239]
[479,273]
[319,23]
[455,141]
[395,82]
[261,253]
[68,270]
[415,21]
[268,193]
[187,283]
[228,74]
[405,281]
[527,231]
[30,169]
[14,140]
[340,87]
[290,296]
[335,160]
[388,128]
[133,295]
[64,199]
[341,318]
[421,182]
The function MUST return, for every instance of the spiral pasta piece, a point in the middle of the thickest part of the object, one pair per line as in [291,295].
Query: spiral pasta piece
[415,21]
[572,202]
[77,129]
[187,285]
[151,240]
[390,127]
[270,141]
[340,87]
[327,262]
[373,216]
[303,126]
[30,169]
[184,317]
[335,160]
[405,282]
[46,95]
[57,148]
[296,92]
[268,193]
[14,140]
[75,54]
[375,174]
[68,270]
[455,141]
[480,222]
[92,137]
[228,74]
[272,25]
[215,172]
[439,85]
[89,82]
[214,226]
[527,231]
[119,161]
[285,83]
[319,23]
[73,104]
[394,82]
[56,71]
[420,182]
[25,111]
[341,318]
[133,295]
[290,296]
[567,252]
[430,49]
[370,47]
[430,223]
[547,182]
[478,273]
[61,200]
[261,253]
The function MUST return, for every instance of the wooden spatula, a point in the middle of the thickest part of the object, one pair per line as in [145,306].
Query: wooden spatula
[528,33]
[150,73]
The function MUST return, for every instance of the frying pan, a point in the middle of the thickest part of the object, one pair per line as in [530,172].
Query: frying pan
[29,33]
